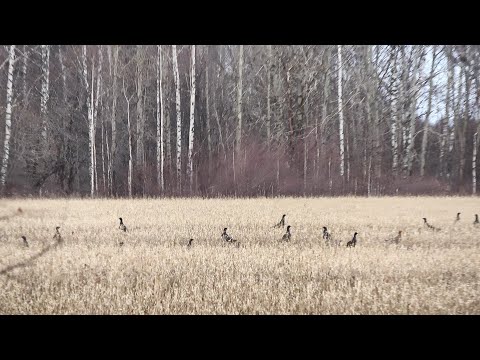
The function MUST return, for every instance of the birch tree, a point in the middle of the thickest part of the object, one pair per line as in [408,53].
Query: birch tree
[91,124]
[394,121]
[160,121]
[8,117]
[340,110]
[113,114]
[239,101]
[191,135]
[140,116]
[427,115]
[179,118]
[45,88]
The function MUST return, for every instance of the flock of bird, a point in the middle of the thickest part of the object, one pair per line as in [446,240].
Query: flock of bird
[327,236]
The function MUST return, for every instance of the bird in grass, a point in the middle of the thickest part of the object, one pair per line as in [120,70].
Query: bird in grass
[476,222]
[281,223]
[396,239]
[25,242]
[430,226]
[457,219]
[122,225]
[287,236]
[227,237]
[189,242]
[326,235]
[353,242]
[57,235]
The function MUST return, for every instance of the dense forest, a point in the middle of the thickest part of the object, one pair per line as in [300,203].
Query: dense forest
[238,120]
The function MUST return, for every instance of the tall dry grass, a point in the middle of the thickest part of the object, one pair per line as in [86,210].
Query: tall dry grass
[155,273]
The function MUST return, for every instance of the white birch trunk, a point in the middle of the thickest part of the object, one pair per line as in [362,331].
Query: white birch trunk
[24,77]
[113,118]
[90,119]
[340,111]
[95,111]
[474,163]
[445,122]
[239,100]
[191,136]
[140,119]
[93,126]
[64,74]
[427,116]
[179,118]
[8,116]
[160,121]
[45,88]
[393,125]
[130,157]
[269,111]
[207,103]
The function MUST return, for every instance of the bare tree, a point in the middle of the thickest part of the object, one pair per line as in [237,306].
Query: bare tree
[427,115]
[191,136]
[160,121]
[340,110]
[179,118]
[239,101]
[45,88]
[8,116]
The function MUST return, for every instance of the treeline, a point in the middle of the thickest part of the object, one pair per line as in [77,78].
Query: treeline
[238,120]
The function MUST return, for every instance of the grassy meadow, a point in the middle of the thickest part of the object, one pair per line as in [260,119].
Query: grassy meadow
[155,273]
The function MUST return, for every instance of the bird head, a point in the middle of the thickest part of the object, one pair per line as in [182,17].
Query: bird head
[120,219]
[324,228]
[355,234]
[58,227]
[283,215]
[458,214]
[288,228]
[24,238]
[225,230]
[424,219]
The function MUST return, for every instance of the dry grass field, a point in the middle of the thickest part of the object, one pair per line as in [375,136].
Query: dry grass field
[155,273]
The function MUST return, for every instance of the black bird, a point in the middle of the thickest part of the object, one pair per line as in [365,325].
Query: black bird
[353,242]
[430,226]
[25,242]
[326,235]
[57,235]
[122,225]
[476,222]
[457,218]
[189,242]
[396,239]
[287,235]
[281,223]
[227,237]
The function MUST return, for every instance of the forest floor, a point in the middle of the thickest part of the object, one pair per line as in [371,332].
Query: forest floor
[154,272]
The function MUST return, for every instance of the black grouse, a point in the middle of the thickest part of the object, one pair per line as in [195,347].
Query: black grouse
[430,226]
[281,223]
[226,237]
[353,242]
[122,225]
[287,235]
[476,222]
